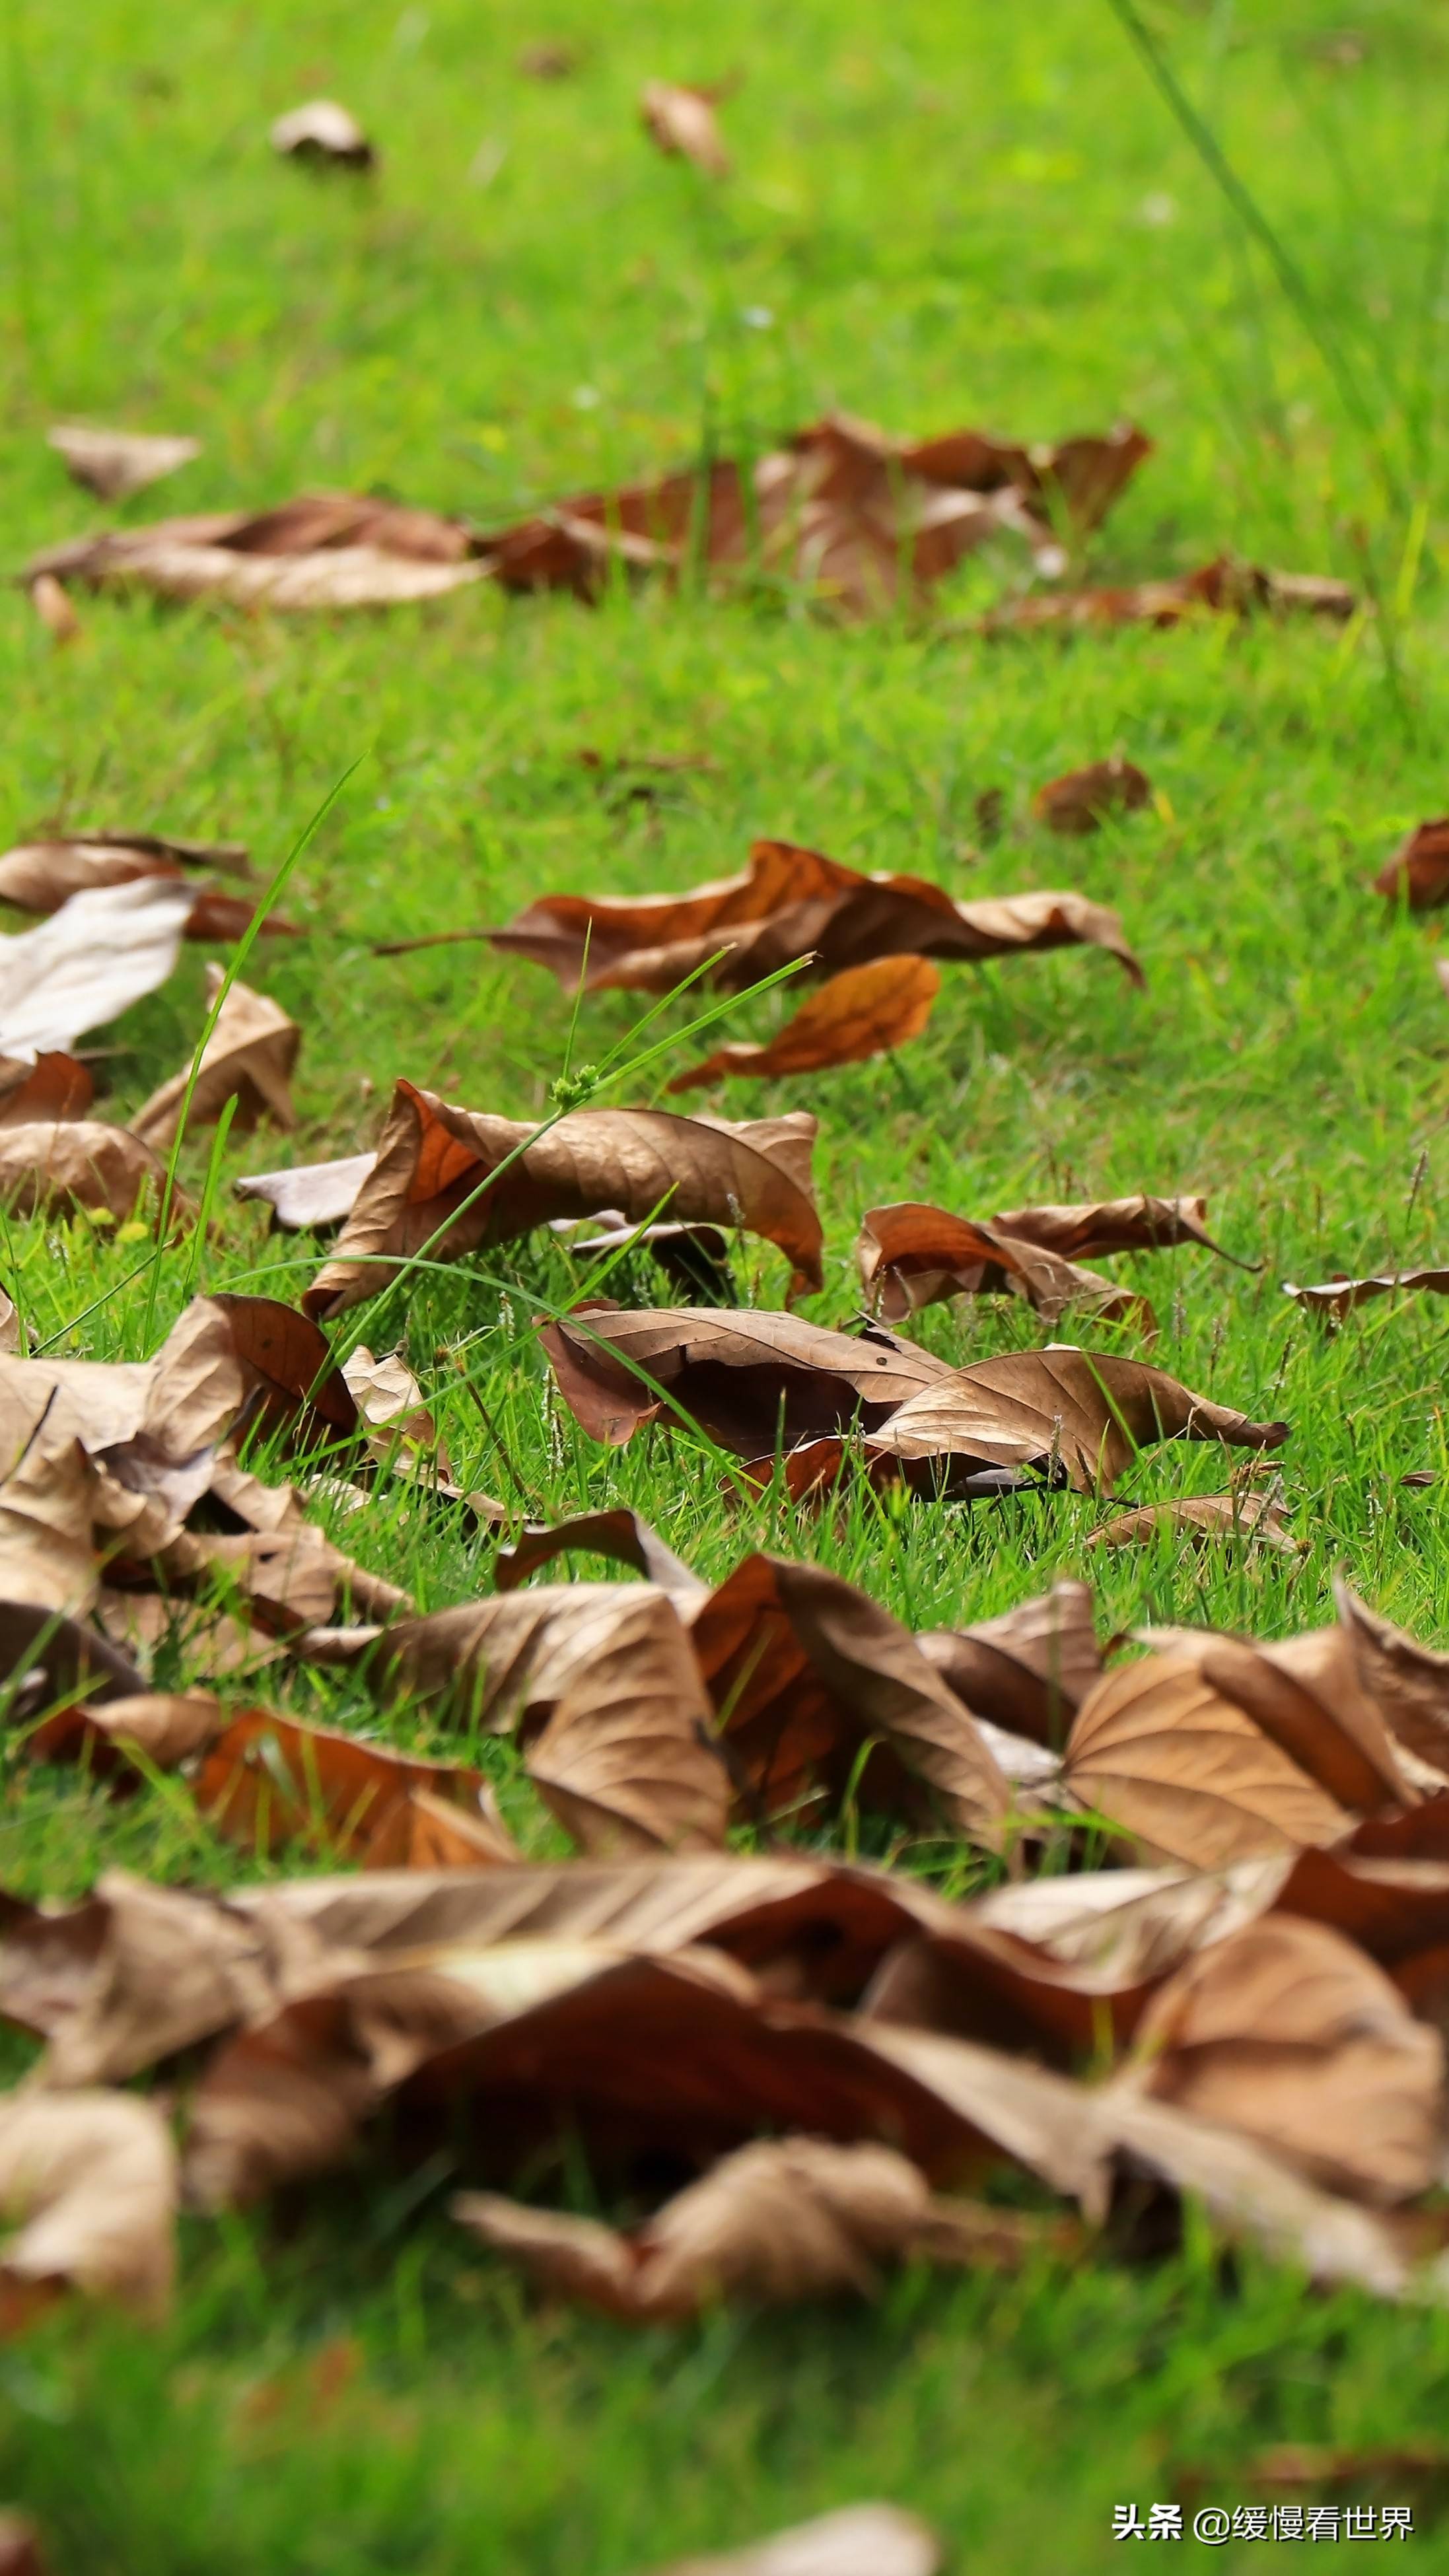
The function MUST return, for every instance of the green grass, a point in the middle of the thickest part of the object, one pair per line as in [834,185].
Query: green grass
[944,216]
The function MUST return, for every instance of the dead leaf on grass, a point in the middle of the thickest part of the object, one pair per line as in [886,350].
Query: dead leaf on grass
[309,1194]
[912,1255]
[89,2181]
[1286,2031]
[328,550]
[52,1169]
[1028,1670]
[1086,1229]
[249,1057]
[85,965]
[322,132]
[1418,873]
[682,120]
[1082,799]
[113,463]
[269,1781]
[434,1157]
[39,876]
[20,2550]
[866,1011]
[1408,1683]
[1243,1516]
[165,1727]
[789,904]
[53,1087]
[54,608]
[1333,1299]
[619,1534]
[1222,586]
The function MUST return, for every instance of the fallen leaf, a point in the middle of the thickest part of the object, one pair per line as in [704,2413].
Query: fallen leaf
[693,1256]
[145,1420]
[618,1534]
[1407,1683]
[54,1086]
[1222,586]
[20,2551]
[866,1011]
[113,463]
[320,551]
[48,1662]
[859,2540]
[322,132]
[912,1255]
[1417,875]
[165,1727]
[53,1169]
[1078,1416]
[1305,1693]
[39,876]
[89,2179]
[1248,1518]
[682,120]
[1335,1298]
[598,1682]
[309,1194]
[95,956]
[390,1400]
[1186,1774]
[790,904]
[48,1558]
[781,2220]
[1286,2031]
[1030,1669]
[54,608]
[1128,1929]
[433,1158]
[269,1780]
[1085,1229]
[752,1380]
[288,1369]
[249,1057]
[1083,799]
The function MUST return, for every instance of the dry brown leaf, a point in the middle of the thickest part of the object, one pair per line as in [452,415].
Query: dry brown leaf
[322,132]
[859,2540]
[249,1057]
[599,1683]
[89,2181]
[113,463]
[1130,1928]
[783,2219]
[309,1194]
[1223,586]
[141,1418]
[1082,799]
[48,1559]
[1078,1417]
[433,1158]
[864,1012]
[682,120]
[1249,1518]
[1305,1694]
[619,1534]
[269,1780]
[749,1378]
[85,965]
[49,1169]
[287,1368]
[165,1727]
[1186,1774]
[911,1254]
[20,2550]
[323,550]
[790,904]
[1028,1670]
[1085,1229]
[819,1690]
[53,1087]
[1286,2031]
[1335,1298]
[1418,873]
[39,876]
[1407,1683]
[54,608]
[390,1401]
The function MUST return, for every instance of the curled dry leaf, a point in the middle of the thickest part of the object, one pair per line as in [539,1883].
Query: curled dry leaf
[859,2540]
[1306,1694]
[864,1012]
[39,876]
[1082,799]
[912,1255]
[321,551]
[1028,1670]
[53,1169]
[1286,2031]
[790,904]
[750,1379]
[323,133]
[1243,1516]
[1086,1229]
[309,1194]
[433,1158]
[682,120]
[113,463]
[1222,586]
[249,1057]
[53,1087]
[1334,1298]
[90,2178]
[1407,1683]
[99,953]
[1079,1417]
[618,1534]
[599,1684]
[287,1369]
[783,2219]
[165,1727]
[268,1780]
[1418,873]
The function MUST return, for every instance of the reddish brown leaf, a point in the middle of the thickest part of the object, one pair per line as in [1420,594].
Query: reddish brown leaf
[1030,1669]
[1082,799]
[1418,873]
[54,608]
[912,1255]
[864,1012]
[789,904]
[53,1087]
[321,551]
[433,1158]
[1086,1229]
[286,1363]
[618,1534]
[268,1780]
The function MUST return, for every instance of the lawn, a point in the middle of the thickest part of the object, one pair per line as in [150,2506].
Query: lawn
[937,217]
